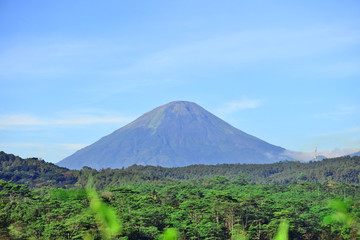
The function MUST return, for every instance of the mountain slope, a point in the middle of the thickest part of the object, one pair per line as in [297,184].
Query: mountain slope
[355,154]
[176,134]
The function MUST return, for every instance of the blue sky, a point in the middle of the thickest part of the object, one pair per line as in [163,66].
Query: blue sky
[71,72]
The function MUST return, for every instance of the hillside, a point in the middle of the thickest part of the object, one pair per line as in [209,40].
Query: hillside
[36,173]
[174,135]
[339,170]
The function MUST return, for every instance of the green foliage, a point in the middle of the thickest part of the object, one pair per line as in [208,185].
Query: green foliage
[221,210]
[238,233]
[34,172]
[229,201]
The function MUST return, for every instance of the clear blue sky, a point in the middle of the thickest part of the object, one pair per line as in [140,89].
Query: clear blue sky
[71,72]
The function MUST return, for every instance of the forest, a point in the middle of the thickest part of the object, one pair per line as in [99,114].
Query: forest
[317,200]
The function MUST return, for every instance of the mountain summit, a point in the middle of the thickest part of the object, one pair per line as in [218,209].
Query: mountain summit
[175,134]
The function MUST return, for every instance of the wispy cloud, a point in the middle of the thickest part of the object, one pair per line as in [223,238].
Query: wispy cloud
[71,146]
[307,156]
[244,103]
[54,57]
[247,47]
[339,112]
[20,144]
[352,130]
[17,120]
[336,142]
[49,151]
[112,58]
[337,68]
[339,152]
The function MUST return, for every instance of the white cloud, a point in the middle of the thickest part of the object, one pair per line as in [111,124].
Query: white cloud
[248,47]
[339,152]
[330,144]
[51,152]
[112,58]
[339,112]
[307,156]
[72,146]
[300,156]
[17,120]
[348,131]
[347,138]
[243,104]
[336,68]
[4,145]
[54,57]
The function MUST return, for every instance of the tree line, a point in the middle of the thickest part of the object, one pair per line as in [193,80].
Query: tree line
[36,173]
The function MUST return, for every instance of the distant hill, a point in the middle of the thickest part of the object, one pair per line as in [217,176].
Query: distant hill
[173,135]
[34,172]
[37,173]
[337,170]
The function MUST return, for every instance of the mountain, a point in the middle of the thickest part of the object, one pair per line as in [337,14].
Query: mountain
[176,134]
[355,154]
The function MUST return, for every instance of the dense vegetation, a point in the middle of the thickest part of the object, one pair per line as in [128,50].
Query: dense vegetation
[318,200]
[36,173]
[216,209]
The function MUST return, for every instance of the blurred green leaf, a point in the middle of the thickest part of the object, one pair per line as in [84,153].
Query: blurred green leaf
[108,221]
[341,215]
[283,232]
[170,234]
[238,237]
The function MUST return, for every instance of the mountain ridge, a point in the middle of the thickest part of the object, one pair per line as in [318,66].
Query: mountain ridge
[355,154]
